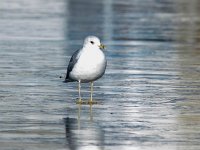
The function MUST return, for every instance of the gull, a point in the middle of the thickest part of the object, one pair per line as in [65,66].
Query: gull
[87,64]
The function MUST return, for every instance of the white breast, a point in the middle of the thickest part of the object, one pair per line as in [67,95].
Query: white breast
[90,66]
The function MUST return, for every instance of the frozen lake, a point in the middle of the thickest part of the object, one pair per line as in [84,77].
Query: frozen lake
[149,98]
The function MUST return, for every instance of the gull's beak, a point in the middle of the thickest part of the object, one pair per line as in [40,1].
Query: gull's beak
[101,46]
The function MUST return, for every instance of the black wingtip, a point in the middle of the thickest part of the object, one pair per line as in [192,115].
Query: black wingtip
[67,80]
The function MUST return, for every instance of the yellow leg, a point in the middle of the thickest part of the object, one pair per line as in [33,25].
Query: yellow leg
[79,90]
[91,91]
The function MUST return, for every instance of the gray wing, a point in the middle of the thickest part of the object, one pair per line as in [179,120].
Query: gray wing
[71,65]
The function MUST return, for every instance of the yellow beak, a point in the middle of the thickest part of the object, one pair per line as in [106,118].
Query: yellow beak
[102,46]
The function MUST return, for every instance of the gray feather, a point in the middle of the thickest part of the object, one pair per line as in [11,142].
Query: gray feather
[71,65]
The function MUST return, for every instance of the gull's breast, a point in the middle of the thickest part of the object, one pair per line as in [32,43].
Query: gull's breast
[90,66]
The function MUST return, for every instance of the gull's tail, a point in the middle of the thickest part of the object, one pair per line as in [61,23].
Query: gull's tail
[68,80]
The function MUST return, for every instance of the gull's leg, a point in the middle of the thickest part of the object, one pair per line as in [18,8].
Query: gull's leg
[91,91]
[79,90]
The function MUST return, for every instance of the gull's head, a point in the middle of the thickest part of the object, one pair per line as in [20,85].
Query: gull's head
[93,42]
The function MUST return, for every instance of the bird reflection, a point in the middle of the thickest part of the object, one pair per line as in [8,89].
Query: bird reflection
[81,134]
[91,116]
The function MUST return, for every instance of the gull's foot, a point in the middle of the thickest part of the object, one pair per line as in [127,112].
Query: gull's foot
[92,102]
[79,101]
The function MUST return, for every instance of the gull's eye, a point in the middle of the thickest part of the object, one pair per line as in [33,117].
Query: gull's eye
[91,42]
